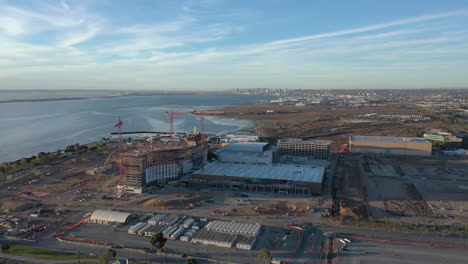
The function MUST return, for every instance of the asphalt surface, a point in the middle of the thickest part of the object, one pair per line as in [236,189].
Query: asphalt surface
[373,252]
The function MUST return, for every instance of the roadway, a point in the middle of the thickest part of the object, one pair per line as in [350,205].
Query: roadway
[361,252]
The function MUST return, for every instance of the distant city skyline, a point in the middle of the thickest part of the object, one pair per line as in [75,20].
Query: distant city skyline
[221,44]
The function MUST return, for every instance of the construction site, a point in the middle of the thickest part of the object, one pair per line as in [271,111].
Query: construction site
[157,163]
[120,194]
[416,190]
[135,180]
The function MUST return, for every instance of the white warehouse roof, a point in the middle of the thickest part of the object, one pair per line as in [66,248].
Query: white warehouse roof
[291,172]
[415,140]
[110,216]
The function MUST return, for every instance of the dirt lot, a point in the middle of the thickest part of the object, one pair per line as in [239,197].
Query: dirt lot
[66,187]
[330,122]
[410,189]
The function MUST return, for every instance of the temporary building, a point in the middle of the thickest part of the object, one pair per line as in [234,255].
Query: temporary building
[109,217]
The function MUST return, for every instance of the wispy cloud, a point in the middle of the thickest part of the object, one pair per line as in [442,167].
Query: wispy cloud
[77,41]
[375,27]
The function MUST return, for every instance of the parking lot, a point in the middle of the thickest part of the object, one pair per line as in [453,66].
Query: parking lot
[375,252]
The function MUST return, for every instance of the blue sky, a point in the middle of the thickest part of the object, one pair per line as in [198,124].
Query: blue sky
[221,44]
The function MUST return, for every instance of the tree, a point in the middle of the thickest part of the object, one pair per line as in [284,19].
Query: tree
[372,221]
[108,257]
[5,247]
[422,231]
[158,241]
[25,161]
[192,261]
[386,223]
[264,256]
[41,154]
[356,220]
[445,232]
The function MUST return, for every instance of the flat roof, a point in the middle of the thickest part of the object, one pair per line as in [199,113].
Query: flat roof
[240,153]
[311,141]
[416,140]
[247,146]
[291,172]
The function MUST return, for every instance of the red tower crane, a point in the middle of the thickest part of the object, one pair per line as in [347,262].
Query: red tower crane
[121,178]
[171,115]
[202,113]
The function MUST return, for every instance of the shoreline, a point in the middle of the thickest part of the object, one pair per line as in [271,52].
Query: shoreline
[328,122]
[238,125]
[250,129]
[54,99]
[90,98]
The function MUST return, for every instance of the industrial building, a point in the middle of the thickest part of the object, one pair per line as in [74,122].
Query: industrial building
[446,139]
[248,152]
[199,230]
[109,217]
[145,165]
[234,228]
[207,237]
[135,228]
[411,146]
[242,138]
[228,234]
[317,149]
[272,178]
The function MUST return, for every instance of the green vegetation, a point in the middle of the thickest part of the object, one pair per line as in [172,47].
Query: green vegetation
[158,241]
[192,261]
[264,256]
[8,168]
[5,247]
[108,257]
[39,253]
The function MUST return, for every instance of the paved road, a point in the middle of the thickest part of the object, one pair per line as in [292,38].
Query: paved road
[413,236]
[373,252]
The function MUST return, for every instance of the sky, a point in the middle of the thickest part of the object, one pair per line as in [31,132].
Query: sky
[222,44]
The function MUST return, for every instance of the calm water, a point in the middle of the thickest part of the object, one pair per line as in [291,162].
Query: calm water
[32,127]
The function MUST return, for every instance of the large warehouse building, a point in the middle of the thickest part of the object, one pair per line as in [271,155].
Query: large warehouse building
[273,178]
[448,140]
[317,149]
[411,146]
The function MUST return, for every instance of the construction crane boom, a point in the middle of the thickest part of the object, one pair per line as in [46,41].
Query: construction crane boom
[171,116]
[104,166]
[119,126]
[202,113]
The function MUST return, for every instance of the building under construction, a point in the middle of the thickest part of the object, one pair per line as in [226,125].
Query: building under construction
[158,163]
[316,149]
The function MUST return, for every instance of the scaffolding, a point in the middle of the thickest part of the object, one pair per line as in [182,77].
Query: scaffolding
[135,162]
